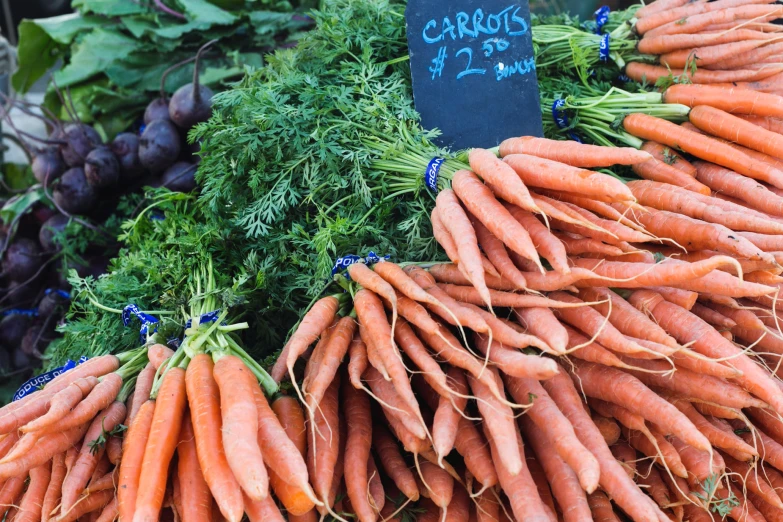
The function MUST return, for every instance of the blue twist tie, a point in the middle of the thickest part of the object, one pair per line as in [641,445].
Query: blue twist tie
[32,312]
[623,78]
[146,320]
[432,172]
[561,119]
[603,48]
[601,17]
[36,383]
[346,261]
[209,317]
[61,293]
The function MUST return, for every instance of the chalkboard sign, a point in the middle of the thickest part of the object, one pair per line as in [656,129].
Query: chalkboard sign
[473,69]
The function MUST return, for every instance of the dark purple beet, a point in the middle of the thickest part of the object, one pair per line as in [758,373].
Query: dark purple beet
[191,104]
[12,330]
[180,177]
[22,259]
[52,304]
[81,140]
[126,147]
[18,295]
[158,109]
[49,229]
[159,146]
[35,341]
[49,162]
[102,168]
[20,359]
[73,194]
[42,213]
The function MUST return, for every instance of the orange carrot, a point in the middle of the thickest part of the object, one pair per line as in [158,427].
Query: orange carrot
[53,491]
[515,363]
[716,411]
[771,123]
[141,393]
[659,6]
[448,414]
[601,507]
[392,462]
[542,323]
[63,403]
[262,511]
[753,480]
[547,244]
[357,451]
[668,43]
[501,178]
[312,325]
[458,225]
[552,424]
[45,448]
[158,354]
[724,125]
[661,16]
[444,238]
[746,189]
[698,463]
[377,496]
[30,507]
[91,503]
[572,153]
[162,442]
[609,429]
[325,443]
[735,101]
[130,468]
[101,396]
[713,317]
[672,135]
[204,399]
[92,450]
[398,408]
[613,478]
[699,22]
[497,254]
[196,504]
[669,156]
[111,511]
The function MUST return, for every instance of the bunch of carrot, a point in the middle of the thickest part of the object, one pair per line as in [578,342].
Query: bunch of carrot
[728,42]
[61,446]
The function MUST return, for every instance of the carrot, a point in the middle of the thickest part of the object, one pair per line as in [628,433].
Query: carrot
[601,507]
[499,421]
[709,55]
[572,153]
[592,323]
[262,511]
[481,203]
[240,424]
[357,355]
[45,448]
[446,241]
[130,469]
[637,398]
[724,125]
[92,450]
[526,504]
[686,328]
[551,422]
[606,230]
[665,197]
[101,396]
[543,173]
[659,6]
[63,403]
[357,450]
[53,491]
[613,478]
[720,284]
[735,101]
[30,506]
[582,348]
[458,225]
[746,189]
[324,455]
[106,480]
[162,442]
[196,502]
[110,512]
[392,462]
[771,123]
[501,178]
[578,245]
[417,352]
[448,413]
[665,44]
[627,319]
[651,480]
[468,294]
[89,504]
[716,410]
[609,429]
[669,156]
[437,484]
[662,16]
[310,328]
[770,451]
[497,254]
[698,463]
[473,448]
[713,317]
[652,128]
[753,480]
[542,323]
[547,244]
[641,72]
[599,208]
[10,492]
[698,22]
[141,393]
[768,511]
[158,354]
[398,408]
[377,496]
[626,456]
[610,410]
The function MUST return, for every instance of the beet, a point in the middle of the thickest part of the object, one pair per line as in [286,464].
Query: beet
[49,229]
[48,162]
[35,341]
[73,194]
[22,259]
[159,146]
[126,147]
[20,360]
[52,305]
[180,177]
[81,139]
[102,168]
[12,330]
[19,295]
[158,109]
[192,103]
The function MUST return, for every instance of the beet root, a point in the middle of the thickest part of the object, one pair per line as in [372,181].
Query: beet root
[22,259]
[48,164]
[53,226]
[126,147]
[81,139]
[102,168]
[158,109]
[12,330]
[191,105]
[180,177]
[159,146]
[73,193]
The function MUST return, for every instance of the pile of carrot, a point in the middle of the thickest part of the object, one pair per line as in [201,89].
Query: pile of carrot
[725,42]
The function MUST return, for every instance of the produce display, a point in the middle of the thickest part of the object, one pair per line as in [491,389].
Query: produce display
[582,326]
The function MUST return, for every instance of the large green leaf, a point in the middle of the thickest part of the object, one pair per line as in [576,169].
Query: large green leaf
[203,11]
[109,7]
[20,204]
[94,53]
